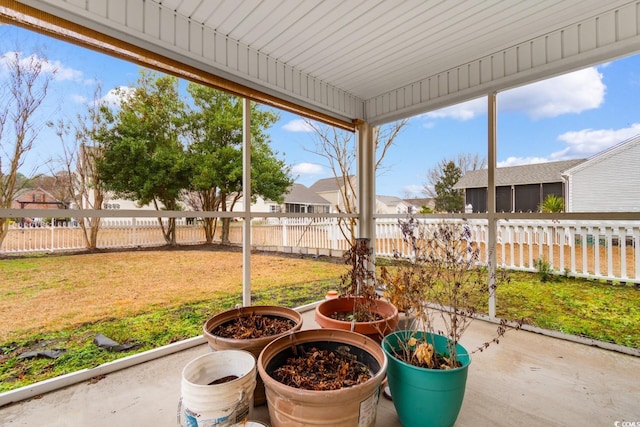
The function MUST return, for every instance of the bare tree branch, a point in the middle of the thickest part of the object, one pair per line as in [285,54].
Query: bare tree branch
[465,162]
[339,149]
[22,95]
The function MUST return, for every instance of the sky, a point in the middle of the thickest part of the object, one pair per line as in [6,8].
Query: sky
[575,115]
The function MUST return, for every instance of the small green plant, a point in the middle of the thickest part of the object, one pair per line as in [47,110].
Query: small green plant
[545,271]
[552,204]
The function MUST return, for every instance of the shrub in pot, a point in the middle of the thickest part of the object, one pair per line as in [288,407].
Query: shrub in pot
[359,308]
[251,329]
[449,287]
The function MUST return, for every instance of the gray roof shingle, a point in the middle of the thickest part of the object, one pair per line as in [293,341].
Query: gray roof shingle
[538,173]
[327,184]
[389,200]
[298,193]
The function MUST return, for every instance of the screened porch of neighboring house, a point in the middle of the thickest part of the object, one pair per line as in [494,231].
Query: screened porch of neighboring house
[357,66]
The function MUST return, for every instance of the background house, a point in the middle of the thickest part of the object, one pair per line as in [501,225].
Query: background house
[416,204]
[606,182]
[299,199]
[331,190]
[391,205]
[36,198]
[518,188]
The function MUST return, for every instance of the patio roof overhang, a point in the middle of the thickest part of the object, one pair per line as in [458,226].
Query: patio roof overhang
[347,61]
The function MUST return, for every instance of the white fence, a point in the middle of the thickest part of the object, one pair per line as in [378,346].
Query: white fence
[608,250]
[598,249]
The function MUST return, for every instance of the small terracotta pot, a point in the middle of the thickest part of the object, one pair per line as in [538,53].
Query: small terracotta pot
[254,345]
[350,406]
[375,330]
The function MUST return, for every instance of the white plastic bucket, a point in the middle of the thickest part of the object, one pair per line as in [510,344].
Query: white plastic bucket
[219,405]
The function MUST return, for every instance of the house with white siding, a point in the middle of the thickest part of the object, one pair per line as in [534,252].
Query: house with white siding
[332,190]
[392,205]
[299,199]
[607,182]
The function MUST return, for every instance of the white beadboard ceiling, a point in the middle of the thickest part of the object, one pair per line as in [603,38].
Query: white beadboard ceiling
[376,60]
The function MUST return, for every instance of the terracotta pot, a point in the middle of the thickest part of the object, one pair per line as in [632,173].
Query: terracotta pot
[351,406]
[254,345]
[376,330]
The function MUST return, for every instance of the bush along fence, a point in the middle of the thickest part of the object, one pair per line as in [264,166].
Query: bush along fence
[608,250]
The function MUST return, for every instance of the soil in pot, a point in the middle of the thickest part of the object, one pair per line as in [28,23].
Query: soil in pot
[322,369]
[251,328]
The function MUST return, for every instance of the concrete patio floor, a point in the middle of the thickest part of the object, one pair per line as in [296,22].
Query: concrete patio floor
[527,380]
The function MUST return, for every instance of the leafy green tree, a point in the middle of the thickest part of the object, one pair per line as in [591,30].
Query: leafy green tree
[144,157]
[447,198]
[215,154]
[465,161]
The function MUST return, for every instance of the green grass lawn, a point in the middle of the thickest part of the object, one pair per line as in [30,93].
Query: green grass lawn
[587,308]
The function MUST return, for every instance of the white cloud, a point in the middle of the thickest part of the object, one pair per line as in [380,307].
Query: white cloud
[55,68]
[464,111]
[307,169]
[587,142]
[78,99]
[517,161]
[298,125]
[413,190]
[116,95]
[570,93]
[580,144]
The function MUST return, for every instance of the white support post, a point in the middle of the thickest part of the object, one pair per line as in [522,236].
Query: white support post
[246,196]
[366,161]
[491,198]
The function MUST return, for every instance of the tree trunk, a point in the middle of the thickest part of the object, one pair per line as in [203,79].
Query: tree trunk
[225,231]
[4,229]
[172,232]
[209,229]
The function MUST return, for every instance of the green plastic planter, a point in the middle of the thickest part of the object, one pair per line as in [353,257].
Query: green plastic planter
[425,397]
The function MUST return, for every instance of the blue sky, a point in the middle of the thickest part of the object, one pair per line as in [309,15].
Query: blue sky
[575,115]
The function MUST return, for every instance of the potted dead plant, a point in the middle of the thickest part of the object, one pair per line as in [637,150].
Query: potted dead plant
[251,329]
[358,308]
[322,377]
[448,288]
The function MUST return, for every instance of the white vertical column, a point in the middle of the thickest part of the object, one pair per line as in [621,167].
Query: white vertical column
[366,163]
[246,196]
[491,198]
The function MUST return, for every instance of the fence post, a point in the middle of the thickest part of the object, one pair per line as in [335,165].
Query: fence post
[622,244]
[636,250]
[284,231]
[134,226]
[53,234]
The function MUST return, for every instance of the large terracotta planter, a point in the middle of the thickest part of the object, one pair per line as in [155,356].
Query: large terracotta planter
[375,330]
[351,406]
[254,345]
